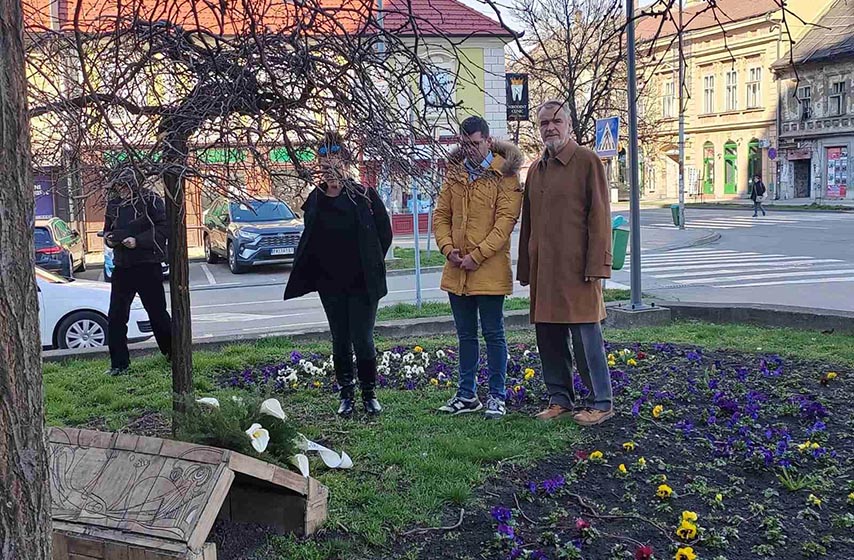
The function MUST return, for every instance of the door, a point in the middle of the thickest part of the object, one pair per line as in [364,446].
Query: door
[730,168]
[708,168]
[221,219]
[803,180]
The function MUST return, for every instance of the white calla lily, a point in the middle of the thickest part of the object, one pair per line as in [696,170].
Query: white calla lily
[208,401]
[272,407]
[330,458]
[259,436]
[300,461]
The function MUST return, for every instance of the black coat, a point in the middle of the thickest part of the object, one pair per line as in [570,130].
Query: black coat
[374,235]
[757,190]
[143,218]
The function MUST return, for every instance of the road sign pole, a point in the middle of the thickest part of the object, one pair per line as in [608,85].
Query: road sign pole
[633,159]
[681,55]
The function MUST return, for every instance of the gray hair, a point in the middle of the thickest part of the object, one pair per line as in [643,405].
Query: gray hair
[556,104]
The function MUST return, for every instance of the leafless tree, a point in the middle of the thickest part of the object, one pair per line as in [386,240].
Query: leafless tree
[25,528]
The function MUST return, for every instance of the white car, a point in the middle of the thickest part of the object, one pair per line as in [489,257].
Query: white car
[73,313]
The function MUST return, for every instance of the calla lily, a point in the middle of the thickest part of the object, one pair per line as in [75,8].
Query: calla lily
[301,462]
[259,436]
[273,407]
[330,458]
[208,401]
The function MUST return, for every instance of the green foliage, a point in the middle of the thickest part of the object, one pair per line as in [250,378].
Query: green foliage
[225,426]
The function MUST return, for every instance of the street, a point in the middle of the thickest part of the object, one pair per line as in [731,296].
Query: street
[790,258]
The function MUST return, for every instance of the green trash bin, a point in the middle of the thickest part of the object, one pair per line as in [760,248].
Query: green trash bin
[674,210]
[619,244]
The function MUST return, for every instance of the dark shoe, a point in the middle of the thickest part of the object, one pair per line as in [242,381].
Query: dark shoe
[459,405]
[372,405]
[116,371]
[347,406]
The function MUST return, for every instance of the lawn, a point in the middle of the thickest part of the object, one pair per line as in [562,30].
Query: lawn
[414,468]
[405,259]
[400,311]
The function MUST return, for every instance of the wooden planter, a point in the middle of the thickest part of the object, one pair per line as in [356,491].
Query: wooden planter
[126,497]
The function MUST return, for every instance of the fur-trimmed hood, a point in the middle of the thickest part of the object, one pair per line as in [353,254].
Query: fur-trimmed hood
[509,164]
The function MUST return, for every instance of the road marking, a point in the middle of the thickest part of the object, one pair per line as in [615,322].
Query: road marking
[241,317]
[213,305]
[777,274]
[783,282]
[754,261]
[285,333]
[756,268]
[208,275]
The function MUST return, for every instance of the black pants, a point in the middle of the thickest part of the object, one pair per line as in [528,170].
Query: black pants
[757,207]
[351,320]
[147,281]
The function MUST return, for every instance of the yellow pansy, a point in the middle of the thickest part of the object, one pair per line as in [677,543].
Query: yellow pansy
[597,456]
[642,463]
[417,349]
[814,500]
[685,553]
[529,374]
[851,498]
[719,498]
[317,384]
[632,362]
[689,516]
[831,375]
[629,446]
[687,531]
[517,388]
[656,412]
[434,382]
[622,469]
[664,492]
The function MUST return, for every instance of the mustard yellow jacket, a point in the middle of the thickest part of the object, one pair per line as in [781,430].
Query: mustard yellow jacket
[477,217]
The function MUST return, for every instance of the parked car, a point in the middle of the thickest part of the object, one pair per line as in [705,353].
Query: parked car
[250,233]
[73,313]
[59,248]
[109,266]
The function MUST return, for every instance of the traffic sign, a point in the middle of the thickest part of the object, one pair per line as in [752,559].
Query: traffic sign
[607,136]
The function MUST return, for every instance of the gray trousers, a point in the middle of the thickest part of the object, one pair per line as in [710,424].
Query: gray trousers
[588,349]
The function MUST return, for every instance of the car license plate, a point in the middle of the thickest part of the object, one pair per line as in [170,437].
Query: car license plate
[282,251]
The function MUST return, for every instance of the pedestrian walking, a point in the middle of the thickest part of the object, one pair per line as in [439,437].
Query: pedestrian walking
[564,254]
[476,213]
[341,255]
[757,195]
[135,228]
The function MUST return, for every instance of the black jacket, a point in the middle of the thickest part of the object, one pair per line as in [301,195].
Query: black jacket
[374,235]
[757,190]
[143,218]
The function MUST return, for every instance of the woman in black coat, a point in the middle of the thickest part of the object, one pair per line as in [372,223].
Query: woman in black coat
[757,195]
[341,255]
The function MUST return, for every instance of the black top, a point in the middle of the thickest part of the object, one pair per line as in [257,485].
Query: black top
[757,190]
[142,217]
[334,247]
[355,233]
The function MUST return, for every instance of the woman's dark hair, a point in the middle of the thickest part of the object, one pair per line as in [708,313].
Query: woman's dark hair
[332,143]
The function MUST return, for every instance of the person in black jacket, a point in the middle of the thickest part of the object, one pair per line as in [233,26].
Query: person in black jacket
[135,227]
[757,195]
[341,255]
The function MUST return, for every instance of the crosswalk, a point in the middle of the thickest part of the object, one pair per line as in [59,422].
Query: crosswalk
[746,220]
[725,268]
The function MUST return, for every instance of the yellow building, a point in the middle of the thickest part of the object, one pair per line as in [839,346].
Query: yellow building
[731,96]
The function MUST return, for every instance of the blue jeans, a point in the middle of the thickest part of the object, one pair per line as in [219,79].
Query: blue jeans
[465,310]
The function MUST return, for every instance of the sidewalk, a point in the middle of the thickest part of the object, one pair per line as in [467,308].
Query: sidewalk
[792,204]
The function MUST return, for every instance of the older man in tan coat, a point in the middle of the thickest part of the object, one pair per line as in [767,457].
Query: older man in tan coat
[565,255]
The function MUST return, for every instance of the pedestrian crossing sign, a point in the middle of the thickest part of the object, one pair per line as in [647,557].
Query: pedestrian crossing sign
[607,136]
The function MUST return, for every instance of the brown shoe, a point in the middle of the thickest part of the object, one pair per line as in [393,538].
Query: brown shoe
[553,412]
[592,417]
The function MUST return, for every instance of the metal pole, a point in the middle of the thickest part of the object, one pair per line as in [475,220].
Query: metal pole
[383,179]
[681,86]
[414,189]
[633,159]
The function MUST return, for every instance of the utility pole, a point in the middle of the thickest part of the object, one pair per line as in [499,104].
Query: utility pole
[383,176]
[634,185]
[681,123]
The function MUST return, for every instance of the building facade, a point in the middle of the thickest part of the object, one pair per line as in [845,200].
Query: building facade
[817,110]
[730,97]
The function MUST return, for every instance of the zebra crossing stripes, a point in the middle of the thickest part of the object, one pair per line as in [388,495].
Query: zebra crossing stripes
[725,268]
[744,221]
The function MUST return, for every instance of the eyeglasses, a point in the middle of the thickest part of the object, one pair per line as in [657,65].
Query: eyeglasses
[326,150]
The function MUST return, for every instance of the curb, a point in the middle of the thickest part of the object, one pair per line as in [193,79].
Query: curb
[663,312]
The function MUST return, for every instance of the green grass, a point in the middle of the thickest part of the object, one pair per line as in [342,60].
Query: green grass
[411,463]
[400,311]
[406,259]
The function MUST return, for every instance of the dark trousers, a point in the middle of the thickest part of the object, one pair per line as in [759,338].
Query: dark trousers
[491,310]
[147,281]
[757,207]
[351,321]
[588,349]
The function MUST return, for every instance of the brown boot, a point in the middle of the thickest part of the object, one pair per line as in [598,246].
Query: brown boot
[592,416]
[553,412]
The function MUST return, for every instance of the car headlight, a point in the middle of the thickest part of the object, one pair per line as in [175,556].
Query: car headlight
[136,305]
[248,236]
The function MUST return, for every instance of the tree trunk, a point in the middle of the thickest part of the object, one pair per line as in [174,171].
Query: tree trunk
[179,279]
[25,522]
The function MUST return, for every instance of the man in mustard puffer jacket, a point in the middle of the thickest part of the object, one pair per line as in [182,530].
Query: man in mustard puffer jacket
[477,210]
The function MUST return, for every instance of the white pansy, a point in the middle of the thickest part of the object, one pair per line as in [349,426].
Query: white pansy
[526,353]
[440,354]
[408,358]
[259,436]
[396,356]
[419,370]
[272,407]
[208,401]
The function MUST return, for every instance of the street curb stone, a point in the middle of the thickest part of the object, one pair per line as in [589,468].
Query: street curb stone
[618,318]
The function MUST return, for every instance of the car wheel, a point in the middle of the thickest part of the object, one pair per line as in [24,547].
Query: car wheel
[210,256]
[233,265]
[81,330]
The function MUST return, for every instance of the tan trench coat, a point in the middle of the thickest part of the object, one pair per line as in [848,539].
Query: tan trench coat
[477,217]
[566,237]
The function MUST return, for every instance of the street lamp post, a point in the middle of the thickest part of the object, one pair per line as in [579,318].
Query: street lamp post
[634,185]
[681,55]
